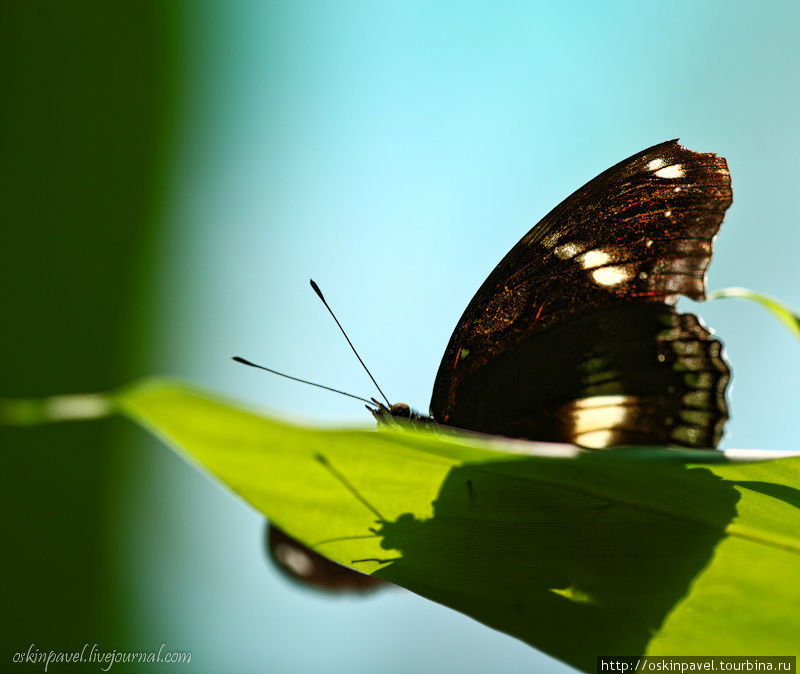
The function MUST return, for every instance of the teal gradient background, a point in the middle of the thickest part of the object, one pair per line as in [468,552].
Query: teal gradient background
[394,152]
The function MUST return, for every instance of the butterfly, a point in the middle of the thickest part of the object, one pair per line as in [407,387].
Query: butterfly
[574,337]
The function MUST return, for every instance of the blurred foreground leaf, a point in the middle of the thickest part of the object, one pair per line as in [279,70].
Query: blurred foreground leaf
[578,553]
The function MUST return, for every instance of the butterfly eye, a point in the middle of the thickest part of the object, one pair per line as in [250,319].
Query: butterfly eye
[400,410]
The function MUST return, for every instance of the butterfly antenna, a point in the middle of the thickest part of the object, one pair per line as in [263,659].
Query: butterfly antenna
[302,381]
[319,294]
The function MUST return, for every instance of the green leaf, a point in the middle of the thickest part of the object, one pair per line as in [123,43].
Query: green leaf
[578,553]
[789,317]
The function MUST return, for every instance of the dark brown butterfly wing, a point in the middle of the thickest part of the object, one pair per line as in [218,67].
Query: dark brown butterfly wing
[636,373]
[573,336]
[302,564]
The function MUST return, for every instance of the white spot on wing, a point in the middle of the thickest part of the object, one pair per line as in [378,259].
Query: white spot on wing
[594,258]
[295,559]
[674,171]
[611,276]
[595,439]
[668,213]
[593,419]
[603,401]
[567,250]
[655,164]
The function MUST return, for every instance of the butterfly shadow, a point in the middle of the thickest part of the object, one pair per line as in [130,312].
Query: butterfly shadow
[575,572]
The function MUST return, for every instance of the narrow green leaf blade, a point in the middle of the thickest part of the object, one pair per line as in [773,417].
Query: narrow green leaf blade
[789,317]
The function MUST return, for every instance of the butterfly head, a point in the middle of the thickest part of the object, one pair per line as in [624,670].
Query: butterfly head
[399,412]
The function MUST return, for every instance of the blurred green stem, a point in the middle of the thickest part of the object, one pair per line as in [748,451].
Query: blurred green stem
[35,411]
[789,317]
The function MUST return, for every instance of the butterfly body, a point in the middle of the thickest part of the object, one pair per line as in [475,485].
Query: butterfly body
[401,412]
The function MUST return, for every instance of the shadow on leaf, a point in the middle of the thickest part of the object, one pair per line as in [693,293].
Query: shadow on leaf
[573,572]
